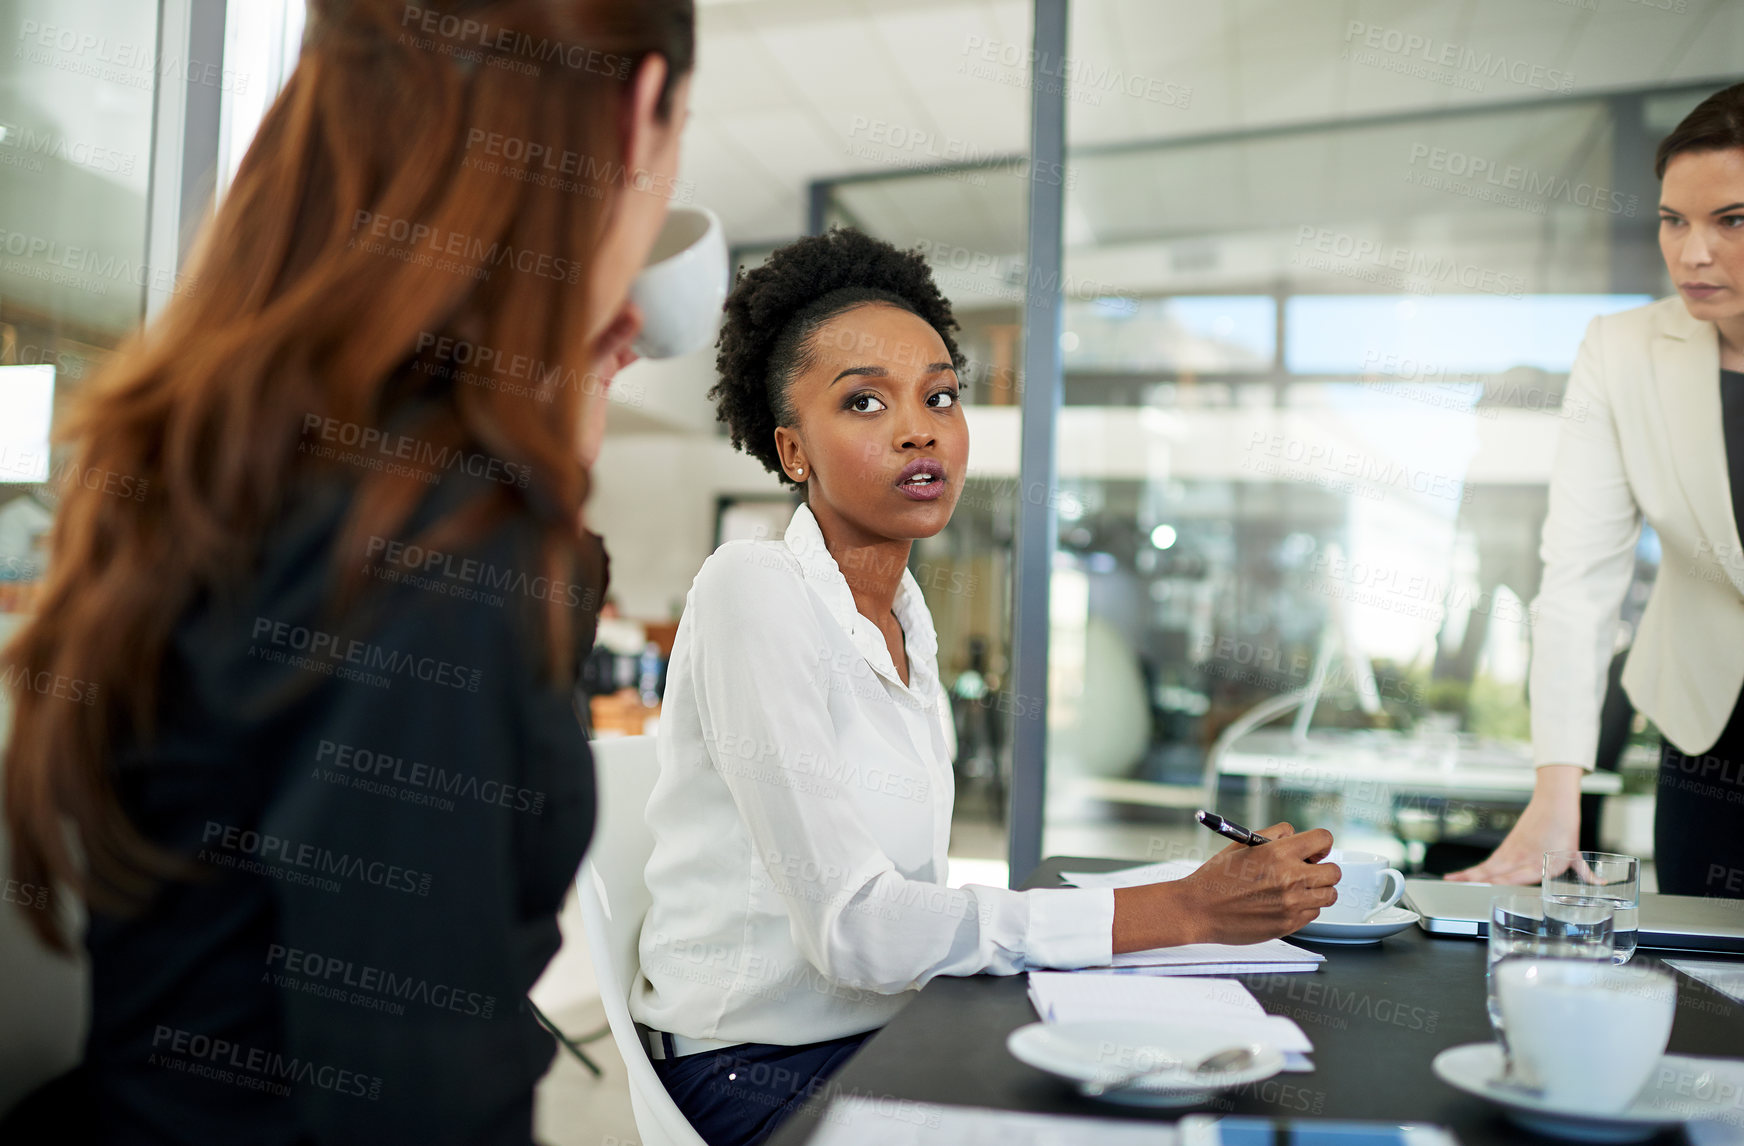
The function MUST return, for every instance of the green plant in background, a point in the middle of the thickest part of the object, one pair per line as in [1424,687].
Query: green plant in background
[1418,695]
[1486,707]
[1497,709]
[1446,695]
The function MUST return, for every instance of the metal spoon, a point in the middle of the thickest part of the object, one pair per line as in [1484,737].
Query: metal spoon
[1229,1061]
[1511,1078]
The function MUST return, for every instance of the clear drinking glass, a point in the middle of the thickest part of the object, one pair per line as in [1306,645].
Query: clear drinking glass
[1600,875]
[1526,925]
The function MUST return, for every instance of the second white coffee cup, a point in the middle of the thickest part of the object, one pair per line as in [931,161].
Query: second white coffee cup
[1366,887]
[1587,1033]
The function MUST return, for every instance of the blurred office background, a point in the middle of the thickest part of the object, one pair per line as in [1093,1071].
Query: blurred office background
[1325,267]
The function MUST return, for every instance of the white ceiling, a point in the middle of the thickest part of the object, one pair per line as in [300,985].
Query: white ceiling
[788,91]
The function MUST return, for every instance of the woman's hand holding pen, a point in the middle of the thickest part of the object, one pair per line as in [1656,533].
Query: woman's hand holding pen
[1240,895]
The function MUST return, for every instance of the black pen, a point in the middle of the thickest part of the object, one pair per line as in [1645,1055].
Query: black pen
[1230,828]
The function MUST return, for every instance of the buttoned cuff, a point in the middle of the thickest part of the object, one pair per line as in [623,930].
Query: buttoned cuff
[1568,740]
[1070,927]
[1551,754]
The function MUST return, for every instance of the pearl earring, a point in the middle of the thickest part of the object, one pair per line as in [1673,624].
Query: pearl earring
[799,469]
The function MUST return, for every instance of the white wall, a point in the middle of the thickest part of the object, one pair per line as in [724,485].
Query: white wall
[664,394]
[654,503]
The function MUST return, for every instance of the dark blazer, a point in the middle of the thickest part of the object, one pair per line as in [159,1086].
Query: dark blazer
[388,815]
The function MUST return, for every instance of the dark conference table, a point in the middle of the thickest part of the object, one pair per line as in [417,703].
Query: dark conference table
[1377,1016]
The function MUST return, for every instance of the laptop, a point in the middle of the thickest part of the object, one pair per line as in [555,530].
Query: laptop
[1668,922]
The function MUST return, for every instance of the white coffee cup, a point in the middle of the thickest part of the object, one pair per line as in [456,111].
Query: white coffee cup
[681,289]
[1366,887]
[1587,1032]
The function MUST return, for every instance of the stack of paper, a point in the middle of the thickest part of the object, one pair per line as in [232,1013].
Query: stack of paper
[1195,958]
[1093,996]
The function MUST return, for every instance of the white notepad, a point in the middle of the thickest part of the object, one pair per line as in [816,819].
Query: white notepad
[864,1121]
[1195,958]
[1274,955]
[1132,876]
[1103,996]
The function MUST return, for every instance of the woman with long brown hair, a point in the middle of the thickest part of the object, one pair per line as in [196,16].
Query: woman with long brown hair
[323,788]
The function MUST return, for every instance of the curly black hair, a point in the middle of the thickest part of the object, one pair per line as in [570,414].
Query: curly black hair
[774,310]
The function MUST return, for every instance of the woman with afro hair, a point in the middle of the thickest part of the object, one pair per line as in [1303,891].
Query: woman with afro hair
[803,806]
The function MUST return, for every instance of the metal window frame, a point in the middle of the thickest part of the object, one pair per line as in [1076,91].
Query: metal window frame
[1038,461]
[186,122]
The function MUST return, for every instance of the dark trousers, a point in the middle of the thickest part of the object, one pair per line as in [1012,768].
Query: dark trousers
[740,1095]
[1698,822]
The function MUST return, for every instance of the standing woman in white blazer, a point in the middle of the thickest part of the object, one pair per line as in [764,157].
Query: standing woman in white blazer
[1662,442]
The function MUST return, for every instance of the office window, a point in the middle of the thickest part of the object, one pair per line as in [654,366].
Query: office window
[262,40]
[75,161]
[1320,312]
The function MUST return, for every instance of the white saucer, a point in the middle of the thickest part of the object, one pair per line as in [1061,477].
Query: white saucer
[1681,1088]
[1388,922]
[1087,1052]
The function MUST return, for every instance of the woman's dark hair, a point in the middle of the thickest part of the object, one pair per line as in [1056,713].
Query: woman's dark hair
[310,296]
[1716,124]
[776,308]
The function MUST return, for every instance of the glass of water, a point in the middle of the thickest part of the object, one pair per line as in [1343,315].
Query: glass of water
[1599,875]
[1527,925]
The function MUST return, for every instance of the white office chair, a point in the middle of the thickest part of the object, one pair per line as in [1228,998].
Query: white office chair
[44,998]
[614,899]
[44,1004]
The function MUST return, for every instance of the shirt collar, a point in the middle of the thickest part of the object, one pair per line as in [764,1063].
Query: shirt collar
[806,542]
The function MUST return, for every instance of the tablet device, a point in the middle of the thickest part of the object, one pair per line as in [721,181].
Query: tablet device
[1204,1130]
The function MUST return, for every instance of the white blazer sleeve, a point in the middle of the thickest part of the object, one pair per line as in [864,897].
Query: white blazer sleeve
[756,656]
[1589,559]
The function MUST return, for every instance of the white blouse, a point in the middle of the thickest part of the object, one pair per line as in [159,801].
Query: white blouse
[802,814]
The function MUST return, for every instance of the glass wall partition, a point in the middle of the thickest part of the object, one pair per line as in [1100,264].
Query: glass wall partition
[1322,297]
[118,120]
[77,82]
